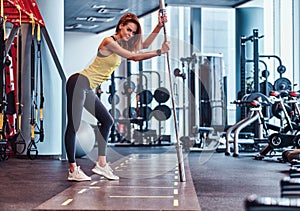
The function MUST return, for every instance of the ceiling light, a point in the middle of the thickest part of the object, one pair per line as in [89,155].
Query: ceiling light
[100,19]
[104,9]
[81,26]
[95,19]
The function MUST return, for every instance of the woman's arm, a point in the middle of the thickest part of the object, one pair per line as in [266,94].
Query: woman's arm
[113,47]
[161,21]
[148,41]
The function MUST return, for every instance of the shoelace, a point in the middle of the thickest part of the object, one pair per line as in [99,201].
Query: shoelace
[79,171]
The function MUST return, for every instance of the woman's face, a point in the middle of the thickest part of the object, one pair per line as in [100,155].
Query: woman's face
[127,31]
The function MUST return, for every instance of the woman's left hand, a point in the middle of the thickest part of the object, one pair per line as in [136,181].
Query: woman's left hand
[162,19]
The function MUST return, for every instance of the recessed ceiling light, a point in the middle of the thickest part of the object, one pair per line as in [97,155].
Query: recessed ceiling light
[103,9]
[81,26]
[95,19]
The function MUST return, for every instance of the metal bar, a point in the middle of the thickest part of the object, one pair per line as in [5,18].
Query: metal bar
[63,80]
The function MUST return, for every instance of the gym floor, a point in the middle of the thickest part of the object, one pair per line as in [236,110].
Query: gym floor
[214,182]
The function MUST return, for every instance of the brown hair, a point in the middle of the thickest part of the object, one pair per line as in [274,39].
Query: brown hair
[135,42]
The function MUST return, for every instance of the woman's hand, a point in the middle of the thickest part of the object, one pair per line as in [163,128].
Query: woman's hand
[162,19]
[165,47]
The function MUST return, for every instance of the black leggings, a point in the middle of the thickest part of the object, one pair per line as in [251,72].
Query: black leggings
[79,96]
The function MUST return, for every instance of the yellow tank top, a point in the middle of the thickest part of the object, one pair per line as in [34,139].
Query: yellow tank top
[101,69]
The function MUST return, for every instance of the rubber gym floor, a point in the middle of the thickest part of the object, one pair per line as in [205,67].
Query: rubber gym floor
[149,180]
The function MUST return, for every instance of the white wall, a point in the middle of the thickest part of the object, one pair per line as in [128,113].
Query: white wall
[52,80]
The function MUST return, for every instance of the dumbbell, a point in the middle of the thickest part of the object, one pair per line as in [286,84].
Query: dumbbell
[254,203]
[290,187]
[294,171]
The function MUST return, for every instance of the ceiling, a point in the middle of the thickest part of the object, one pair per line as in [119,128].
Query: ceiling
[96,16]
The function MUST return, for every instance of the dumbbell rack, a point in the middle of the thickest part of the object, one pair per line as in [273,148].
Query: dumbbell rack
[142,113]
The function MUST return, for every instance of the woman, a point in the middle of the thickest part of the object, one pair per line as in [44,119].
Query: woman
[124,43]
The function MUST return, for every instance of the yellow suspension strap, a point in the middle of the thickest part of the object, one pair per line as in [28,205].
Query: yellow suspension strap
[39,54]
[19,45]
[32,151]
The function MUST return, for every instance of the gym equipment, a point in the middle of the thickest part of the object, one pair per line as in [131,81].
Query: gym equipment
[3,141]
[178,144]
[36,74]
[178,74]
[254,203]
[145,112]
[293,102]
[85,139]
[255,114]
[129,112]
[18,144]
[113,99]
[161,95]
[254,38]
[117,113]
[282,84]
[129,87]
[286,135]
[161,112]
[294,171]
[183,76]
[290,187]
[145,97]
[285,154]
[206,98]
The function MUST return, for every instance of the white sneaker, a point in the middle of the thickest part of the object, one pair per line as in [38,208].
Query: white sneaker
[105,171]
[78,175]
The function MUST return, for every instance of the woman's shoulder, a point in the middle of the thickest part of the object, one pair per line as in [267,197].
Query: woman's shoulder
[108,40]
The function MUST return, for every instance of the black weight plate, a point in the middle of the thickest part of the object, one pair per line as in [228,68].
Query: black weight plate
[263,88]
[161,112]
[115,97]
[145,112]
[117,113]
[282,84]
[161,95]
[145,97]
[129,87]
[132,113]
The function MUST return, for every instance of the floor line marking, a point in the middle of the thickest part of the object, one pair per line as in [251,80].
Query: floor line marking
[68,201]
[148,187]
[95,187]
[82,190]
[175,203]
[135,197]
[175,191]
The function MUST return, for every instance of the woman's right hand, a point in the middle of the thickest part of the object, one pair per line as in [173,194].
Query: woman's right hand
[165,47]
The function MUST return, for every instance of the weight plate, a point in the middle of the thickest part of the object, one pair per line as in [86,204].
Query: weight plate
[129,87]
[161,95]
[114,98]
[263,88]
[282,84]
[116,115]
[129,113]
[145,97]
[145,112]
[161,112]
